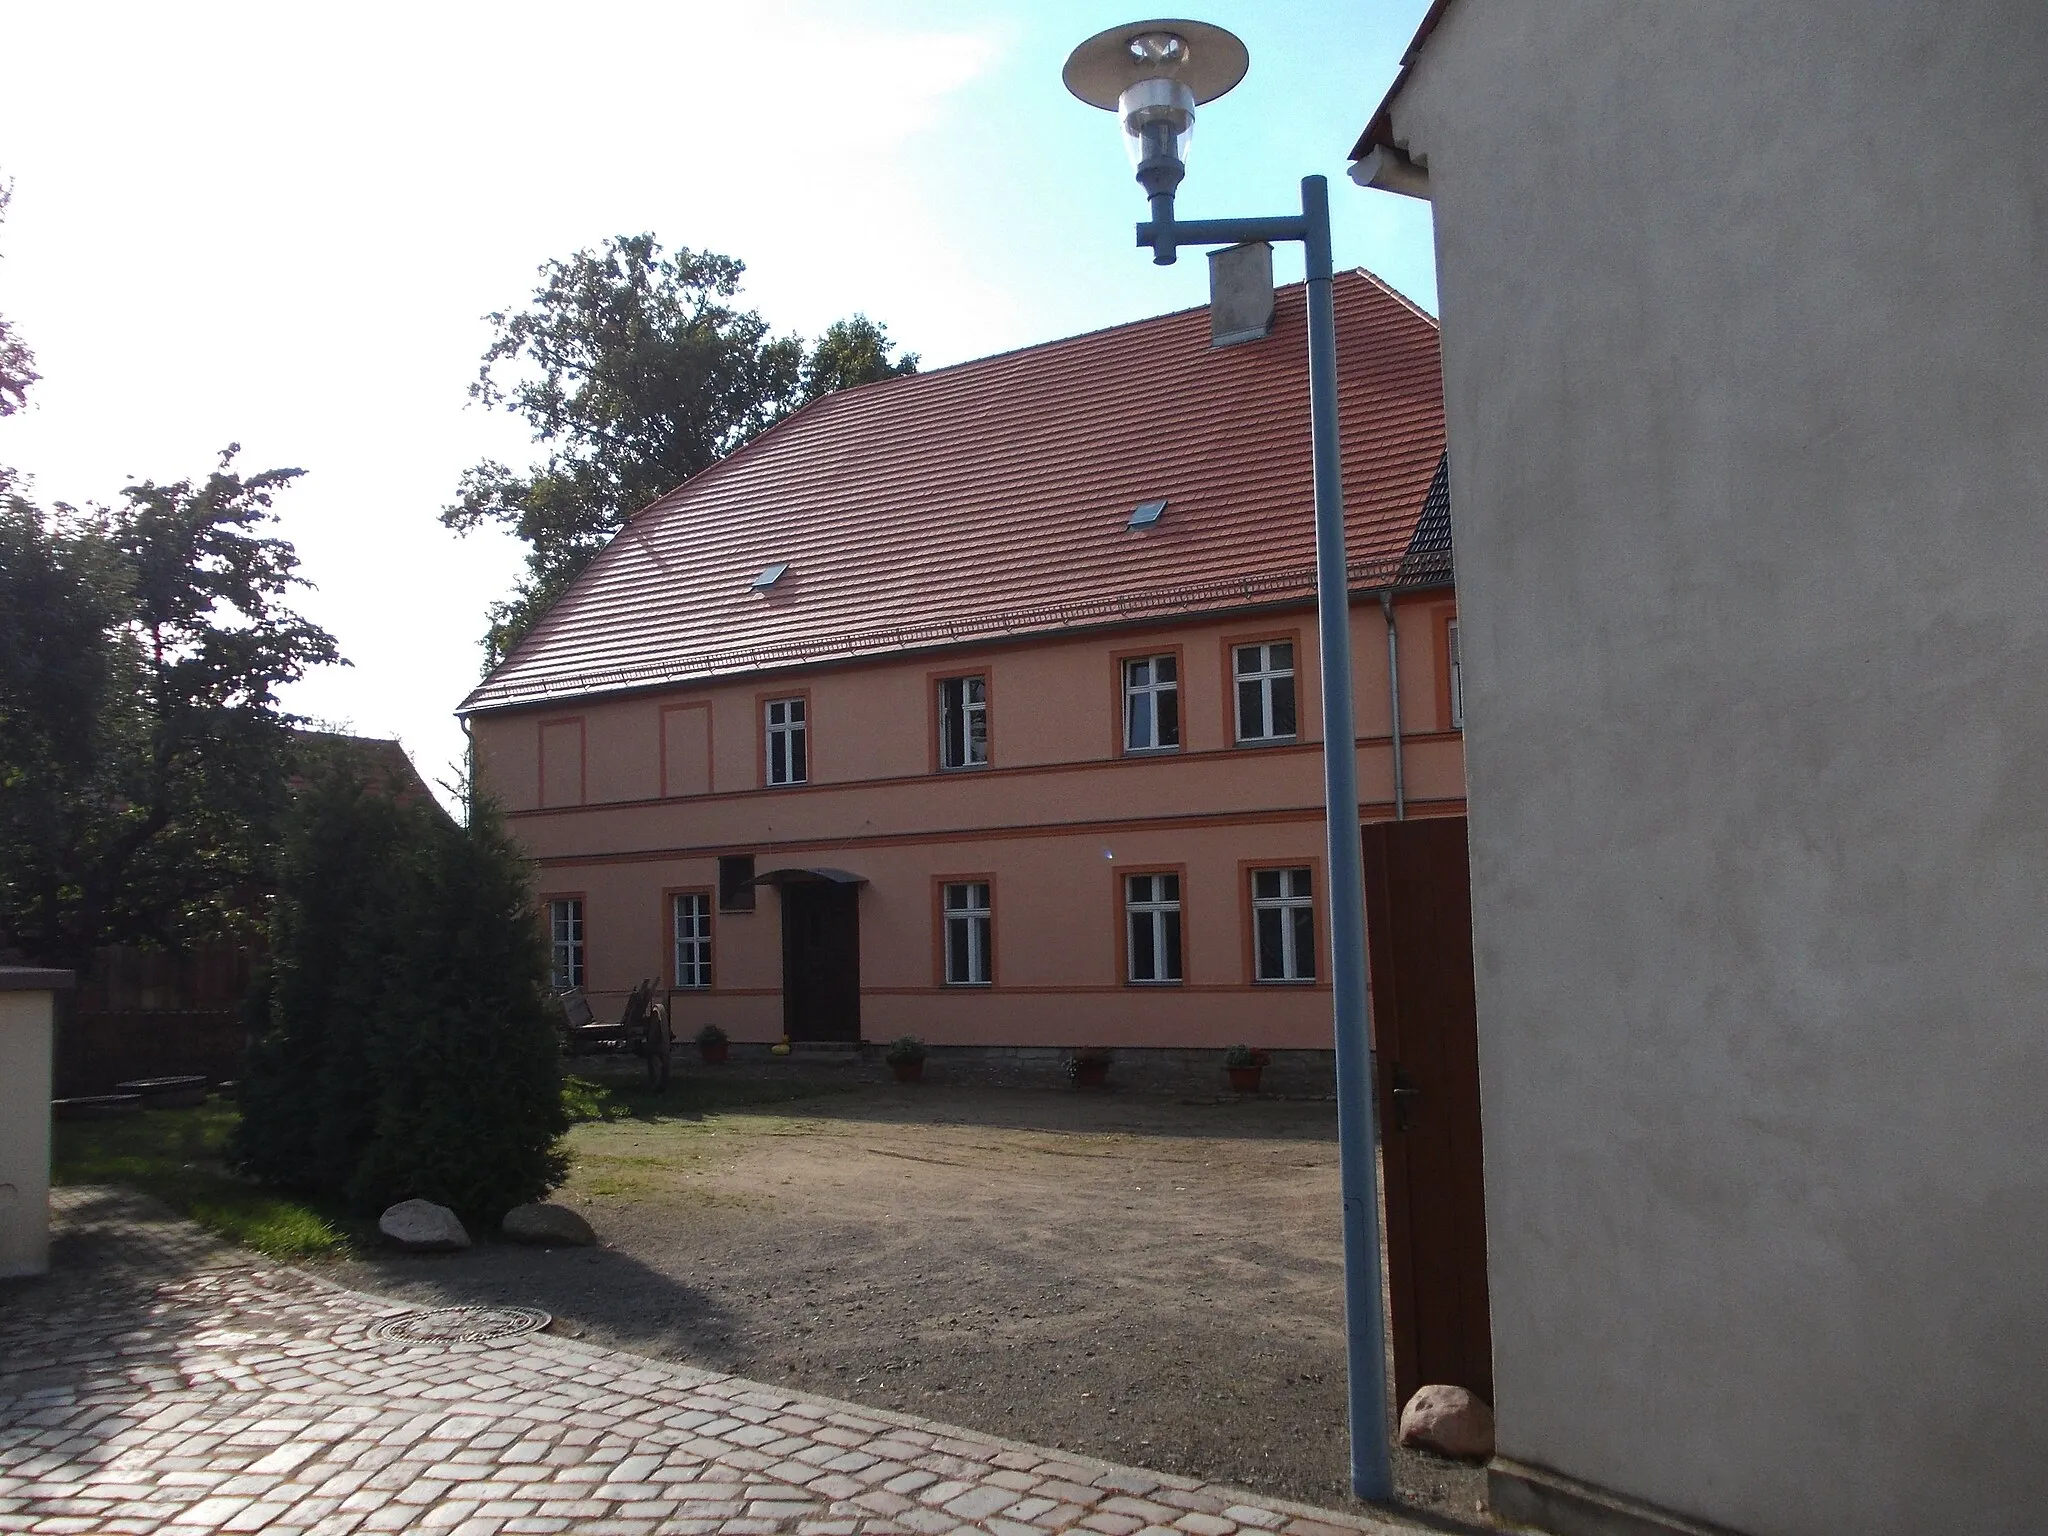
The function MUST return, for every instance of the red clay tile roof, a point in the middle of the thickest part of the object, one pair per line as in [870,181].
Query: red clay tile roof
[990,499]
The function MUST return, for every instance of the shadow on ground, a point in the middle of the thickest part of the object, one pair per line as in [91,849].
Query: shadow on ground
[1140,1279]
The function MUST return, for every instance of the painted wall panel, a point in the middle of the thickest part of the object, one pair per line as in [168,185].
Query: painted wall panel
[561,775]
[686,748]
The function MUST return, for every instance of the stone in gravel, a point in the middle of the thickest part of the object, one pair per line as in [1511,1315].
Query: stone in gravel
[1450,1421]
[420,1226]
[554,1226]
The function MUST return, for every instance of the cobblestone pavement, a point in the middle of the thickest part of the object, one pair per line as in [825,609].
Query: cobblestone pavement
[159,1380]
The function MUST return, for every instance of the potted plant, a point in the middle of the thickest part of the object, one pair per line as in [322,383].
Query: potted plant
[1244,1066]
[712,1044]
[906,1059]
[1089,1067]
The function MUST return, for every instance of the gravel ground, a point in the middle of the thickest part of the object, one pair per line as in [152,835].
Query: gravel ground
[1148,1281]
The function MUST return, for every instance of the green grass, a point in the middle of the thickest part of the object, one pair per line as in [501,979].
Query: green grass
[177,1156]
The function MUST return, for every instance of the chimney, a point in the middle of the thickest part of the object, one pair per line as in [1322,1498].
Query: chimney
[1240,293]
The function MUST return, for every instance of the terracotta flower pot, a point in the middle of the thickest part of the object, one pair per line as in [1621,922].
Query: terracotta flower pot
[1244,1079]
[714,1051]
[908,1071]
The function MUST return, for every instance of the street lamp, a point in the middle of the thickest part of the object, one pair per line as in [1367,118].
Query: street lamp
[1153,74]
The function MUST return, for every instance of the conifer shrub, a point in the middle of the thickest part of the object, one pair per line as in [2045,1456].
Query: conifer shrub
[403,1044]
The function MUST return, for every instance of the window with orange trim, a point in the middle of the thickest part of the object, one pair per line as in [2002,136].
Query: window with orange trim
[1152,941]
[690,917]
[1151,703]
[1263,678]
[1283,925]
[963,722]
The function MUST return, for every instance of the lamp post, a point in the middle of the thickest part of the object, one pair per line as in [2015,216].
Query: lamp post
[1153,74]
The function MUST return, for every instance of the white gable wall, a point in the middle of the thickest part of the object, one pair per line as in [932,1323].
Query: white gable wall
[1745,318]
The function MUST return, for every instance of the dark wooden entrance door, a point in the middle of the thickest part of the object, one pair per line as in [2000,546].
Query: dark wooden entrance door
[821,961]
[1418,921]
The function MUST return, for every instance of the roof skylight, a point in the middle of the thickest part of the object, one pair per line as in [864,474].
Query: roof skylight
[1147,514]
[769,577]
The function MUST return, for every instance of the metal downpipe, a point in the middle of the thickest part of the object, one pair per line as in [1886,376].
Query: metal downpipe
[1394,704]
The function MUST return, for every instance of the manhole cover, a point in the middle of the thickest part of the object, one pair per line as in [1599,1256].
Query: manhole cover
[460,1325]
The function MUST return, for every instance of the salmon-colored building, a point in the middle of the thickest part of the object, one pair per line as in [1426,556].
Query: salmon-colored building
[981,705]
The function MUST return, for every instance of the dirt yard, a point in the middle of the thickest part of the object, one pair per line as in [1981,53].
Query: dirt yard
[1143,1280]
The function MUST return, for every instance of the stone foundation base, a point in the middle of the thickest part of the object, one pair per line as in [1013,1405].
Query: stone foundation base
[1163,1070]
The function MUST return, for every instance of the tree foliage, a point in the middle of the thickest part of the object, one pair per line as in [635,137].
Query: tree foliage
[17,363]
[143,752]
[404,1045]
[636,369]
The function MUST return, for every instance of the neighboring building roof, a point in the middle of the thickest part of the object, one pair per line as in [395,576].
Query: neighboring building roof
[1379,133]
[992,499]
[1428,558]
[377,762]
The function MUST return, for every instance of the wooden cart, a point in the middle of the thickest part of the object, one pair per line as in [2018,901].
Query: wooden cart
[642,1028]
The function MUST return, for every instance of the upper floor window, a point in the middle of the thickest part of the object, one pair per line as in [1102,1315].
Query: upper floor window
[784,734]
[1283,925]
[963,722]
[565,941]
[1264,674]
[735,882]
[1457,670]
[968,919]
[691,917]
[1151,703]
[1152,927]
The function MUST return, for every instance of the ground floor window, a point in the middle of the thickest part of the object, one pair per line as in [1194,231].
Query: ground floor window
[692,922]
[1283,925]
[1152,928]
[968,917]
[565,938]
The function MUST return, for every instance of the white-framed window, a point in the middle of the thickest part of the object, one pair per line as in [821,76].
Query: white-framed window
[690,919]
[1264,674]
[1457,675]
[1283,925]
[1152,927]
[963,722]
[1151,703]
[565,941]
[967,917]
[788,762]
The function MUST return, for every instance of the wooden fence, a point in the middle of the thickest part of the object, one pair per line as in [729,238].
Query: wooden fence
[97,1049]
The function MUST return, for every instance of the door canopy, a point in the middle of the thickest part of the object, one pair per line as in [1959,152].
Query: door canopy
[808,877]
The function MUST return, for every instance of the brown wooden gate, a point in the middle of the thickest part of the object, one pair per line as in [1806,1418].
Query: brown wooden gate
[1418,921]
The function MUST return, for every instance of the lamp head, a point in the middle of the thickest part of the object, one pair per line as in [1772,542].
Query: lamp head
[1153,74]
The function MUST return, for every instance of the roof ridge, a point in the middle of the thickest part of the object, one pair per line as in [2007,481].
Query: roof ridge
[1398,297]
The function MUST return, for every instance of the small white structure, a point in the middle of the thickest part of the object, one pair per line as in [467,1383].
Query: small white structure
[27,1034]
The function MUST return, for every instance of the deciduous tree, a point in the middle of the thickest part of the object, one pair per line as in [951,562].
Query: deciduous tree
[143,752]
[17,363]
[636,369]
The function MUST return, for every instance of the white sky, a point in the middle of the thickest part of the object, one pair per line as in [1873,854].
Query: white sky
[280,225]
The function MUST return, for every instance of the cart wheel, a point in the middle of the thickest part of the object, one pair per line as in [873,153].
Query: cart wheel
[658,1048]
